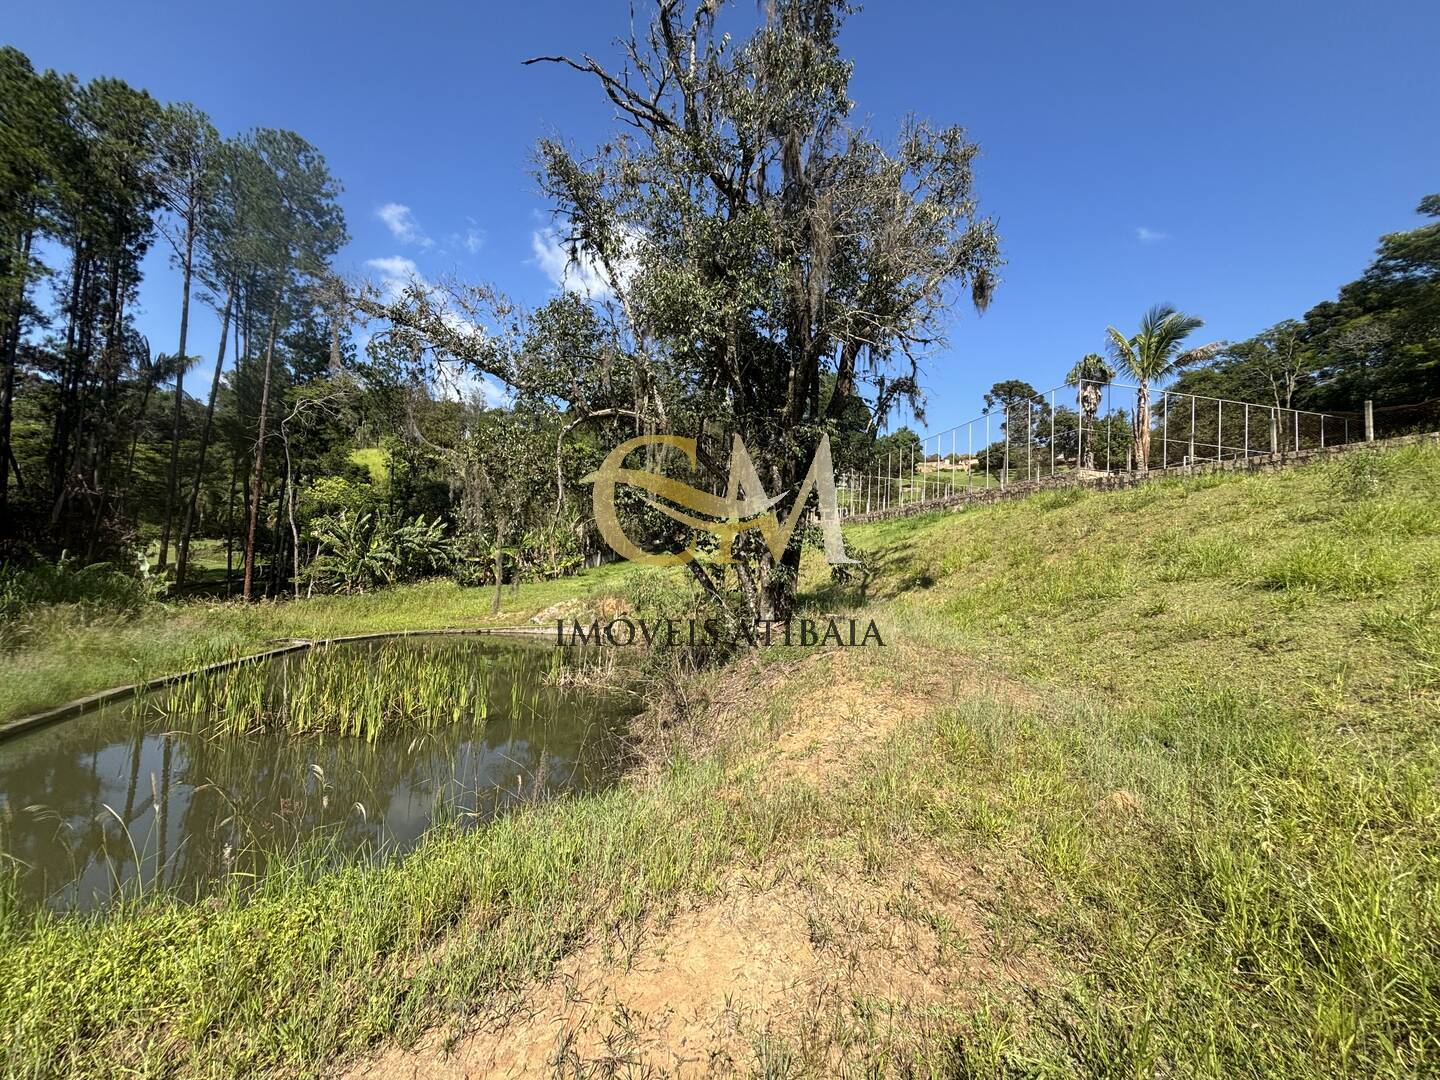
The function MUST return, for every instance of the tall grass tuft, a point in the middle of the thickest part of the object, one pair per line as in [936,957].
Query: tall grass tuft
[337,690]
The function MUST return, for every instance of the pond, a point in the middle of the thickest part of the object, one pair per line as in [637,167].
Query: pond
[182,787]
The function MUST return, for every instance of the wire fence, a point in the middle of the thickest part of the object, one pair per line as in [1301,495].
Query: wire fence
[1082,431]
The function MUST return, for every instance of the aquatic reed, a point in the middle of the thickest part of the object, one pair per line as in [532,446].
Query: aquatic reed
[363,693]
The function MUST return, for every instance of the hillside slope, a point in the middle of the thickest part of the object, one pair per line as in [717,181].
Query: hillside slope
[1142,783]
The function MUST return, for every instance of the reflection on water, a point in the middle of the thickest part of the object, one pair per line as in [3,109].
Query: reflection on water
[84,802]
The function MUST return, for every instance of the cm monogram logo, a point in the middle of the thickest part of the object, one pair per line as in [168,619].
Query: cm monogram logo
[745,505]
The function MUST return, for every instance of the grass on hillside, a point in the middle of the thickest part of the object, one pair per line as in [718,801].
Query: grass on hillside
[65,654]
[1207,809]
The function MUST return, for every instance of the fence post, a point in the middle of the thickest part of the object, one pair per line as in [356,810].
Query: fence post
[1190,457]
[1274,431]
[1165,430]
[1369,420]
[1005,461]
[1219,427]
[1029,440]
[1109,424]
[954,460]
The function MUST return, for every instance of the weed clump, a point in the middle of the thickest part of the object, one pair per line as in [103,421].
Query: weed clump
[335,690]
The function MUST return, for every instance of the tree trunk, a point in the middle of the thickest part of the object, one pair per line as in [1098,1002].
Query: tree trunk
[499,580]
[135,435]
[1089,408]
[290,512]
[182,548]
[277,542]
[230,523]
[1142,427]
[9,352]
[174,477]
[256,476]
[59,456]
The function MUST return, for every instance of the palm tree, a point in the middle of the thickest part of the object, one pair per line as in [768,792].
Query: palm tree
[1154,354]
[1090,376]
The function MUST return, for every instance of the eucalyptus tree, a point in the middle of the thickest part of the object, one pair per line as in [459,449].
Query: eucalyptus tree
[187,145]
[761,238]
[1277,359]
[1090,375]
[1155,353]
[233,247]
[750,239]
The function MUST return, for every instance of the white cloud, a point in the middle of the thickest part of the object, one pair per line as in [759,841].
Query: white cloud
[1150,236]
[396,272]
[455,382]
[472,240]
[402,224]
[581,275]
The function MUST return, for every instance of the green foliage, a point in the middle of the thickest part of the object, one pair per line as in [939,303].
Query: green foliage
[95,588]
[353,693]
[330,495]
[1090,368]
[1377,340]
[363,551]
[552,548]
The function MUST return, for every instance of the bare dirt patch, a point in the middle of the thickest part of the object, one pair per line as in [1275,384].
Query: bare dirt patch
[816,968]
[821,974]
[855,698]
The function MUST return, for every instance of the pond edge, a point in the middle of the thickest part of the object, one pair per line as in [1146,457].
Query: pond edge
[104,697]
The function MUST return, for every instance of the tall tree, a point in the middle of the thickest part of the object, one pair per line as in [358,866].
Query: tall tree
[187,144]
[1380,338]
[766,239]
[1276,359]
[305,229]
[34,110]
[1153,354]
[1090,375]
[752,239]
[105,219]
[232,248]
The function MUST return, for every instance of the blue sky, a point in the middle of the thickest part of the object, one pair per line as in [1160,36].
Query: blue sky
[1236,159]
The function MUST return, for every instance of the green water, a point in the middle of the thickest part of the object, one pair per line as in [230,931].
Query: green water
[119,801]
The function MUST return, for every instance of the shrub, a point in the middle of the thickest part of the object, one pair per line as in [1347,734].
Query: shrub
[97,587]
[363,551]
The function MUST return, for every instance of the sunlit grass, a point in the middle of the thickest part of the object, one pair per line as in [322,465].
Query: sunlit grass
[66,654]
[1205,801]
